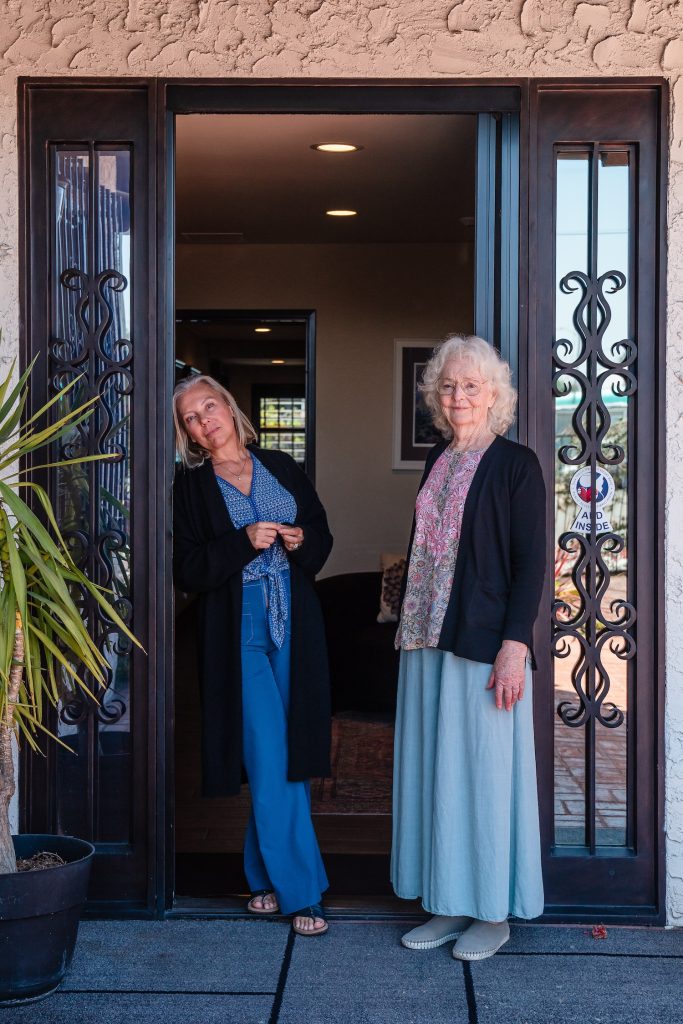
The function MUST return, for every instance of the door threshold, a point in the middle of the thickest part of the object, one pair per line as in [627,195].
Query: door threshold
[347,908]
[387,908]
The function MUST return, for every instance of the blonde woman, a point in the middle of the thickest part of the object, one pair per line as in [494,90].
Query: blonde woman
[250,535]
[465,827]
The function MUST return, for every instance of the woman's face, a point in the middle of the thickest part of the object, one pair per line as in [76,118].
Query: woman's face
[466,411]
[207,418]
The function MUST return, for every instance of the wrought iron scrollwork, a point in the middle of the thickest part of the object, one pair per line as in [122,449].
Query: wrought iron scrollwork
[587,367]
[592,317]
[95,493]
[90,340]
[593,630]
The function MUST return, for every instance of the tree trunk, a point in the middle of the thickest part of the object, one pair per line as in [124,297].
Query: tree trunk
[8,861]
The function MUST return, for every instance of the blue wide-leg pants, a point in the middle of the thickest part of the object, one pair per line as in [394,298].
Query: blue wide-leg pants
[281,849]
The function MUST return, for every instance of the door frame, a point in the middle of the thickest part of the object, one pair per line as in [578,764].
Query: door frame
[286,96]
[167,98]
[649,742]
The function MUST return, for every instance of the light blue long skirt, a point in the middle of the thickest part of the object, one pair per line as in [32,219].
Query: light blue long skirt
[465,827]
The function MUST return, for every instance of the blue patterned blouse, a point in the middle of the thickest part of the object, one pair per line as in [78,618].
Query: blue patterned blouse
[268,501]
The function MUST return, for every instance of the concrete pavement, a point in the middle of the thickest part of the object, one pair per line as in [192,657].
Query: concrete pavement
[237,971]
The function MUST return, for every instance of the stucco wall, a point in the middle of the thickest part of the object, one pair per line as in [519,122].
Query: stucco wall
[392,38]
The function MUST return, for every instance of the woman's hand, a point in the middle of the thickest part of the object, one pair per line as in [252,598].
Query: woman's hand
[292,536]
[508,674]
[262,535]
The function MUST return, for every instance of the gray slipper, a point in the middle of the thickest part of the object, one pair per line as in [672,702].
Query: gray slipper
[481,940]
[435,932]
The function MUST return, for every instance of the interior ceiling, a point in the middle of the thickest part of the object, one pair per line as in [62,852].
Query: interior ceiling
[215,328]
[235,341]
[256,177]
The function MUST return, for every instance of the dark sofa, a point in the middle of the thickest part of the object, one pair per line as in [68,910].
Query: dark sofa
[363,662]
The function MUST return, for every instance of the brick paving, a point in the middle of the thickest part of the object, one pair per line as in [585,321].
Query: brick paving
[610,757]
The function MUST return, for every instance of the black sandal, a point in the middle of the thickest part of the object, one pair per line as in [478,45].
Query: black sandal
[261,894]
[313,911]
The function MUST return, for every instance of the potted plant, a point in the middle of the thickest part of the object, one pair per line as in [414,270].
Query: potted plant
[45,653]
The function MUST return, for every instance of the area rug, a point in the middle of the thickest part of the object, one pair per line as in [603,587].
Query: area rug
[362,753]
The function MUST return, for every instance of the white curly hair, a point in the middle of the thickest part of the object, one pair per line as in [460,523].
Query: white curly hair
[481,356]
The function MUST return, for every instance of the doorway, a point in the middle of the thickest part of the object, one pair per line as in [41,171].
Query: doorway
[369,222]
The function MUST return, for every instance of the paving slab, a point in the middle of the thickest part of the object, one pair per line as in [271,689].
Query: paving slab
[178,956]
[359,973]
[586,990]
[71,1008]
[206,971]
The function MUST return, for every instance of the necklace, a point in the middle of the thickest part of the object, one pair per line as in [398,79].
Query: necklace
[237,475]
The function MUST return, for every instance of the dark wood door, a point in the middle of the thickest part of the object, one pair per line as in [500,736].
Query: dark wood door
[87,283]
[594,392]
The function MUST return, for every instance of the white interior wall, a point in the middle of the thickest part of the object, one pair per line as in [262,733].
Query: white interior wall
[364,297]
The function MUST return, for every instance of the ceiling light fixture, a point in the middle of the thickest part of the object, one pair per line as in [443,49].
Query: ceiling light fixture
[262,330]
[341,213]
[336,147]
[277,362]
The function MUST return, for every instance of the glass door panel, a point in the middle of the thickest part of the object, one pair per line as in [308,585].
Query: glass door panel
[91,340]
[593,641]
[89,302]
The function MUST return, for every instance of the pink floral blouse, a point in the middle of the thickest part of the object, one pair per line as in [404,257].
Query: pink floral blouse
[438,521]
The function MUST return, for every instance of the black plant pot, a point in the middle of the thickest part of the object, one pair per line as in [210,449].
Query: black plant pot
[39,914]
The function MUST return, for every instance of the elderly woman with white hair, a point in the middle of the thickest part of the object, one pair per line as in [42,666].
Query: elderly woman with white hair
[465,826]
[249,536]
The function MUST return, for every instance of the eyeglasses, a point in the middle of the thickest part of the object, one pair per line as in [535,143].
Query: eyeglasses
[469,388]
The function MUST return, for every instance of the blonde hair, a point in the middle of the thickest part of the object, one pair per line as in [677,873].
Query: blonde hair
[191,453]
[484,357]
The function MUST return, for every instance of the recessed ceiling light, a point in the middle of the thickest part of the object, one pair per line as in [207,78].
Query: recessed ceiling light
[277,362]
[262,330]
[336,147]
[341,213]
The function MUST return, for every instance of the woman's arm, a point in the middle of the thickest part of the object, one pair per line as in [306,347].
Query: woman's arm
[200,565]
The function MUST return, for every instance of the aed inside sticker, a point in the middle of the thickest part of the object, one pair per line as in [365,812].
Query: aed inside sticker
[581,490]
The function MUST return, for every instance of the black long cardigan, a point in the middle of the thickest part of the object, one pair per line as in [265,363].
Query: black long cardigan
[209,554]
[501,560]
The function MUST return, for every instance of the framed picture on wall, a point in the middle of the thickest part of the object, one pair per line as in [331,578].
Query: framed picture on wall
[413,431]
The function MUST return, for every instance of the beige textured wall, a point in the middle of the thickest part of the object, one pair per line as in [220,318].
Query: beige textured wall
[364,297]
[392,38]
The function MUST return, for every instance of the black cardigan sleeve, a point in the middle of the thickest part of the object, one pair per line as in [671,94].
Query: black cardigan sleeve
[311,516]
[201,564]
[527,548]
